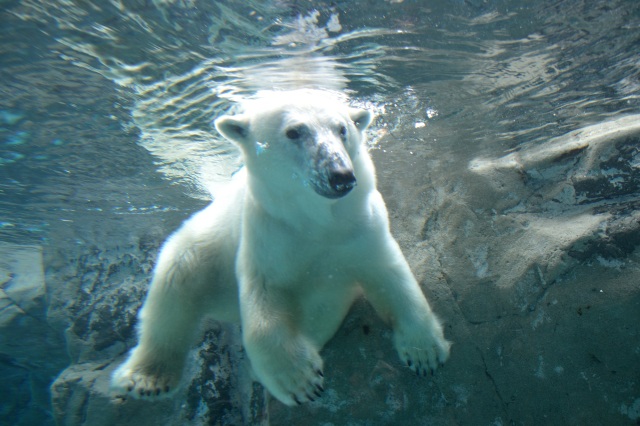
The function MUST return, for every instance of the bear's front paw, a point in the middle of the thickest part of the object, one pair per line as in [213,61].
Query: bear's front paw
[143,381]
[423,348]
[291,372]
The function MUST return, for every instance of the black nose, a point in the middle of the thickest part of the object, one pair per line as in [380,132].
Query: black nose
[342,181]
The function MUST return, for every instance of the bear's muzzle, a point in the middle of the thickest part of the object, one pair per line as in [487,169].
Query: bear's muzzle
[341,182]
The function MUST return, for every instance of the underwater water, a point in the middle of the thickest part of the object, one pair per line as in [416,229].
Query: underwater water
[507,148]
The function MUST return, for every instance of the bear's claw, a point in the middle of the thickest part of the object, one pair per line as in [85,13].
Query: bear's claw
[423,351]
[130,381]
[311,388]
[291,372]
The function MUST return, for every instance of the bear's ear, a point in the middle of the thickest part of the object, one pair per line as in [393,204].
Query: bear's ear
[235,128]
[360,117]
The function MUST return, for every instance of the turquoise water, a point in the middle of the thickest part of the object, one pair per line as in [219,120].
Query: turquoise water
[106,145]
[89,91]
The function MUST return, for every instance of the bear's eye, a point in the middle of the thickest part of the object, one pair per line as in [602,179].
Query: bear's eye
[293,134]
[343,131]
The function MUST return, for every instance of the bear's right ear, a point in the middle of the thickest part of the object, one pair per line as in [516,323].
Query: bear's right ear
[235,128]
[360,117]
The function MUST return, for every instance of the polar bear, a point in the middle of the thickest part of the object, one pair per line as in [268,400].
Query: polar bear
[296,236]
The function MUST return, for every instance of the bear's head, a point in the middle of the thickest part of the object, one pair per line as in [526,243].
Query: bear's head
[301,138]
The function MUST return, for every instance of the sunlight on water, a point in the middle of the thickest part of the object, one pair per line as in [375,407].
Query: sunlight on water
[174,112]
[506,75]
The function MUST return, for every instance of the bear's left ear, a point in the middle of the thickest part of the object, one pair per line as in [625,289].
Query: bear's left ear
[235,128]
[360,117]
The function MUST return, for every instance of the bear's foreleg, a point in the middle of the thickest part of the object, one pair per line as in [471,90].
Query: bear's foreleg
[391,288]
[285,361]
[169,320]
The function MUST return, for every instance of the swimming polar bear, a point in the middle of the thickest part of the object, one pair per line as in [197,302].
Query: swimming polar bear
[296,236]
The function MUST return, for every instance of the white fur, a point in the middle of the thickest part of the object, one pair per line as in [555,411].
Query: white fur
[283,260]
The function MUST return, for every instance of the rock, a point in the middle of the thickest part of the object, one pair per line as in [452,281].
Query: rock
[31,352]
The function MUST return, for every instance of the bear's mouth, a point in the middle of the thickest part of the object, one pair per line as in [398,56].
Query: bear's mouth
[336,184]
